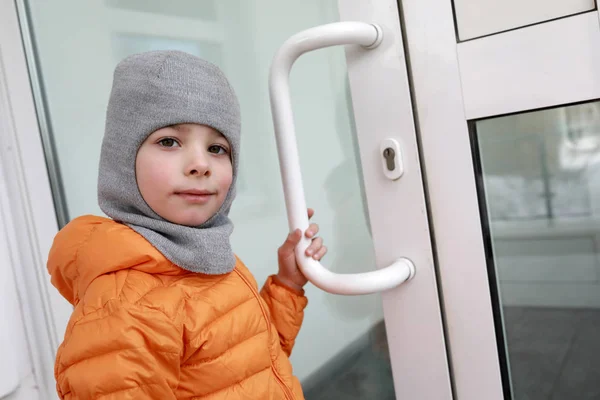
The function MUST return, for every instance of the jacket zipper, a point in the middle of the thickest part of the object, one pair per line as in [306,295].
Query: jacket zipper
[286,391]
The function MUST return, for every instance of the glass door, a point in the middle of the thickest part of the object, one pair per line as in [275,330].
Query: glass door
[507,104]
[346,104]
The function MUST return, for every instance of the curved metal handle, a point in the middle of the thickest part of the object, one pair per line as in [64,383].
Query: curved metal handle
[338,33]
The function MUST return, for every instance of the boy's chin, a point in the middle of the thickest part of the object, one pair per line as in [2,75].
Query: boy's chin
[189,220]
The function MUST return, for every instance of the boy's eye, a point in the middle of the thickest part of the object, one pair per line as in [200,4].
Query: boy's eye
[217,149]
[168,142]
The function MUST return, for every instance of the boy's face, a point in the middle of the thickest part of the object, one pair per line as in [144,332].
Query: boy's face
[184,172]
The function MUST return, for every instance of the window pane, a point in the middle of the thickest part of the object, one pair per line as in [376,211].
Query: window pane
[540,185]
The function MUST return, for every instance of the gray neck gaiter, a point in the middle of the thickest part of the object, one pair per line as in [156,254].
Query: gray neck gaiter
[151,91]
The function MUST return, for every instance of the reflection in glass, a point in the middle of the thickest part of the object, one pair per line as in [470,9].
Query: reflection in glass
[540,173]
[200,9]
[125,44]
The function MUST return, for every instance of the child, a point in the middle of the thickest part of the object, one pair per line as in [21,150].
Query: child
[163,308]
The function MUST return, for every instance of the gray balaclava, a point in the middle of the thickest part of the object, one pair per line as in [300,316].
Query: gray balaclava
[150,91]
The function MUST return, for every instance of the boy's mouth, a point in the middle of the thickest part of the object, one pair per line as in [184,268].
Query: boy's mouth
[198,196]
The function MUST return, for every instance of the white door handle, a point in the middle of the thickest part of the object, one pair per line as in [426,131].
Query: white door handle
[339,33]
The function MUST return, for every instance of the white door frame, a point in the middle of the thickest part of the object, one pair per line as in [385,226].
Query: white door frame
[518,70]
[454,210]
[27,204]
[382,109]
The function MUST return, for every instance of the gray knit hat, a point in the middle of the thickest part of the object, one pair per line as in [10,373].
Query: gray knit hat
[151,91]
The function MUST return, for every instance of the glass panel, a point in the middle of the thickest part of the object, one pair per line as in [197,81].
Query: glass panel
[476,18]
[540,175]
[203,9]
[342,350]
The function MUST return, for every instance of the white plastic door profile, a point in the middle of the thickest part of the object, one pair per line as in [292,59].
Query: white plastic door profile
[398,218]
[543,67]
[397,212]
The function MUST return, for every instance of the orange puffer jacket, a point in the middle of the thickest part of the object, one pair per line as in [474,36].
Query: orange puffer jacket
[143,328]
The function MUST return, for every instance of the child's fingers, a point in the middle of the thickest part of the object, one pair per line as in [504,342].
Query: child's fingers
[314,247]
[321,253]
[312,230]
[311,212]
[290,243]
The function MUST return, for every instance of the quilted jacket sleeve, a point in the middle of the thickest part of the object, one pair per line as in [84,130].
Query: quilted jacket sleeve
[119,352]
[287,310]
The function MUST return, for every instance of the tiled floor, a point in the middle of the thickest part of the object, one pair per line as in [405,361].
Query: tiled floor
[362,371]
[554,354]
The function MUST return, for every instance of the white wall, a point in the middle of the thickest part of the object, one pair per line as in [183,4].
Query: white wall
[16,364]
[81,42]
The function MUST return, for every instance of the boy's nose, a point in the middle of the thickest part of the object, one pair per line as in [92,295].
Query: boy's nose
[198,165]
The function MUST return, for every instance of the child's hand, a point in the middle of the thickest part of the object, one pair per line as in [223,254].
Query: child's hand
[289,272]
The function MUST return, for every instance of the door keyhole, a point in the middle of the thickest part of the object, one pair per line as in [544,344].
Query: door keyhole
[390,155]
